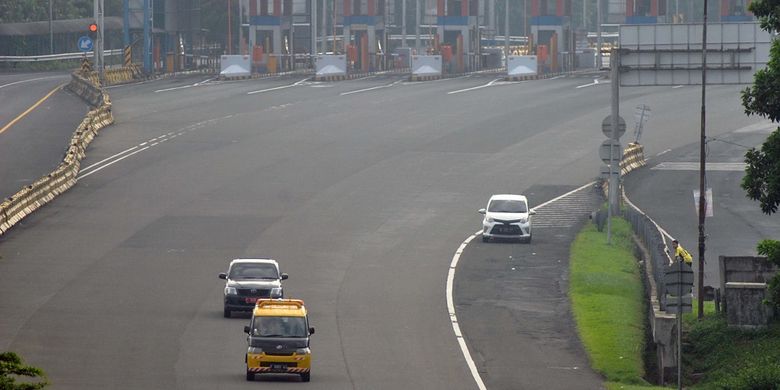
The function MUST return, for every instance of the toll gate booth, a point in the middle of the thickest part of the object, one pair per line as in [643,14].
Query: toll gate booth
[270,23]
[457,34]
[551,33]
[363,25]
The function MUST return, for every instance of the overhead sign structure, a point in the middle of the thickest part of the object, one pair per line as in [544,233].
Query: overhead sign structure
[671,54]
[85,44]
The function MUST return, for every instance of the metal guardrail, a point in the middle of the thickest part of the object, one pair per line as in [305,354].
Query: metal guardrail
[58,57]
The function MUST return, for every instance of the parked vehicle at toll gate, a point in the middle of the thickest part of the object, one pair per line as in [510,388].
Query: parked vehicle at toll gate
[248,280]
[507,216]
[278,339]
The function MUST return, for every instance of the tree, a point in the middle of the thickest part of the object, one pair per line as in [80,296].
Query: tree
[762,175]
[11,366]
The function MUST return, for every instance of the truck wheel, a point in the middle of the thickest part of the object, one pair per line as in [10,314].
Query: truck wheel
[250,376]
[305,377]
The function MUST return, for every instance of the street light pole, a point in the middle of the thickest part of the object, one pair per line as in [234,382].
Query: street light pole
[51,31]
[506,34]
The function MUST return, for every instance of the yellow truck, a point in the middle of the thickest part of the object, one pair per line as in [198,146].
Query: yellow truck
[278,339]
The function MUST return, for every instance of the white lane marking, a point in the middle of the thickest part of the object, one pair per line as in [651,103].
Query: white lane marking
[199,83]
[677,86]
[29,80]
[557,77]
[490,84]
[451,302]
[454,319]
[277,88]
[109,158]
[763,127]
[111,163]
[145,145]
[664,152]
[595,82]
[563,196]
[694,166]
[660,229]
[372,88]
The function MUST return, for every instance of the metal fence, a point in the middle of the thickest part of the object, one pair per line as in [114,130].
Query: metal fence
[654,240]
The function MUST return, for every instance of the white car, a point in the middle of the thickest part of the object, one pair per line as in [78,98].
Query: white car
[507,216]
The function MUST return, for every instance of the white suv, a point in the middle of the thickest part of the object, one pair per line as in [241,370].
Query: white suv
[507,216]
[248,280]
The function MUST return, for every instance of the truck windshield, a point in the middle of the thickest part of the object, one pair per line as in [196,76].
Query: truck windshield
[279,327]
[253,271]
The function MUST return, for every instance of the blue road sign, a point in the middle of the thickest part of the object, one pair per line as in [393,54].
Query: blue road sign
[85,43]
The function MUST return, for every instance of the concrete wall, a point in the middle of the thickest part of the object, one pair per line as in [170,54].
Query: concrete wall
[743,285]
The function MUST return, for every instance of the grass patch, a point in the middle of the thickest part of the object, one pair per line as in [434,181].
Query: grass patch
[608,303]
[719,357]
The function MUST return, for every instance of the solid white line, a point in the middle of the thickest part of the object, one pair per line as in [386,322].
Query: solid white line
[595,82]
[660,229]
[371,89]
[175,88]
[112,163]
[277,88]
[109,158]
[454,319]
[29,80]
[556,77]
[563,196]
[677,86]
[490,84]
[664,152]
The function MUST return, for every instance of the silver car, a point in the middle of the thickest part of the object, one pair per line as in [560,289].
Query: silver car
[247,280]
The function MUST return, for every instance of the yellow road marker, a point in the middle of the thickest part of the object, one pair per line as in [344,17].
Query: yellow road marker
[22,115]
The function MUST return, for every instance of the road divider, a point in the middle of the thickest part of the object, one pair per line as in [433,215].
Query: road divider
[32,197]
[633,158]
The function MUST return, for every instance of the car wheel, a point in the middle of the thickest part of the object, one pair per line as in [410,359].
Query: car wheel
[226,313]
[528,240]
[485,238]
[305,376]
[250,376]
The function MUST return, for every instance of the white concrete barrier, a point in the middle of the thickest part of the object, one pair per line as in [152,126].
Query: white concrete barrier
[235,66]
[522,66]
[331,65]
[426,65]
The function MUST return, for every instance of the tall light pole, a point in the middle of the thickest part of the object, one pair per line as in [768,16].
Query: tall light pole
[598,34]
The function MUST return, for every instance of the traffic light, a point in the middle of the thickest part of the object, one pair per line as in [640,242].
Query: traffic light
[93,28]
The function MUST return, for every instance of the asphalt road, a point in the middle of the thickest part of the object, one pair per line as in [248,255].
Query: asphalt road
[34,145]
[363,190]
[665,188]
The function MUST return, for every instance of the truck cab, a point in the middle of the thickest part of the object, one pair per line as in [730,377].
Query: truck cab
[278,339]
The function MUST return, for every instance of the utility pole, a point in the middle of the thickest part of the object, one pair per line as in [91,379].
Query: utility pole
[702,167]
[51,31]
[147,37]
[598,35]
[98,46]
[417,30]
[229,28]
[614,171]
[403,23]
[313,28]
[506,34]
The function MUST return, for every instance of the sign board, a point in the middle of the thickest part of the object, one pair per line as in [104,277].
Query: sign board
[606,127]
[426,65]
[522,66]
[671,54]
[674,306]
[235,66]
[616,151]
[85,43]
[331,65]
[678,277]
[708,199]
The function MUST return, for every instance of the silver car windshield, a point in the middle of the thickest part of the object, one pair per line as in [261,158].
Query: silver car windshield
[279,327]
[253,271]
[507,206]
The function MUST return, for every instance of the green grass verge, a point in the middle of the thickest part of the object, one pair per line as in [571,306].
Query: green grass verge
[607,298]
